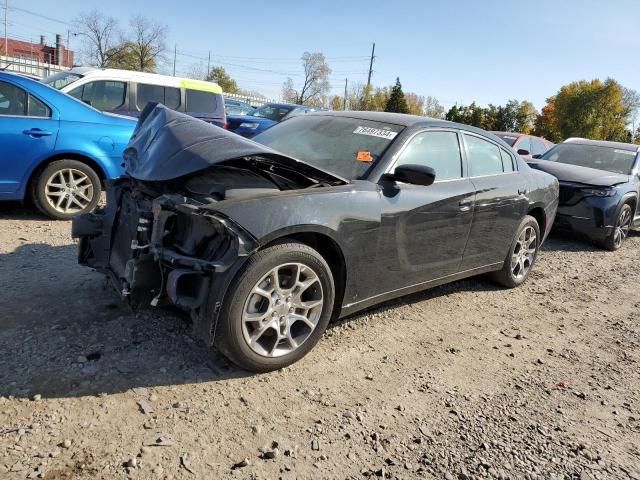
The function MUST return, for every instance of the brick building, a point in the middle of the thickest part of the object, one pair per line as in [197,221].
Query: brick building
[41,52]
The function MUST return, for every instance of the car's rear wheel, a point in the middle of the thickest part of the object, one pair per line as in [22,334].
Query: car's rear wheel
[66,188]
[521,255]
[277,308]
[621,230]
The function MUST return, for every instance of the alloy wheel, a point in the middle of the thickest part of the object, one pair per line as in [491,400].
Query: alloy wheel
[524,253]
[282,310]
[69,190]
[622,226]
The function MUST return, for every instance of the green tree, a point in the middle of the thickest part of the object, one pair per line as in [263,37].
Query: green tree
[220,76]
[397,102]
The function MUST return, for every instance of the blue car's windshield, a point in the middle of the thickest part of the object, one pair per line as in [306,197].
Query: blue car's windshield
[606,158]
[272,112]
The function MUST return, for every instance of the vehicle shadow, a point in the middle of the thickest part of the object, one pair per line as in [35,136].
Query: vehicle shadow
[21,211]
[65,333]
[569,242]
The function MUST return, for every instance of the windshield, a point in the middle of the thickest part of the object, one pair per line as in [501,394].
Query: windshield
[610,159]
[509,139]
[346,147]
[61,79]
[272,112]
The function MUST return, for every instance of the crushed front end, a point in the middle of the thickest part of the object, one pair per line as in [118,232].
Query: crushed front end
[163,249]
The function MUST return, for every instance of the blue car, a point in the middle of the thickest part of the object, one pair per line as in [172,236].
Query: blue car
[54,149]
[264,117]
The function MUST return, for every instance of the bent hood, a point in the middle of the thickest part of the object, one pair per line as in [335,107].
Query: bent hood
[576,174]
[167,144]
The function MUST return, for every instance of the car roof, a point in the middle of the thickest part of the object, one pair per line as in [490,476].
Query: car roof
[151,78]
[406,120]
[603,143]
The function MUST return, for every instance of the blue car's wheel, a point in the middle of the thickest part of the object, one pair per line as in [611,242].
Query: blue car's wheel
[66,188]
[621,229]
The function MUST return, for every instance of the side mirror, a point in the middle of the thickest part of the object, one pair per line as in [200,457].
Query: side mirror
[413,174]
[537,155]
[523,152]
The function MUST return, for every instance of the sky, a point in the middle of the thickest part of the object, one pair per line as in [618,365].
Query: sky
[457,51]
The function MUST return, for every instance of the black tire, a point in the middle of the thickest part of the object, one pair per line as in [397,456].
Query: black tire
[39,189]
[620,232]
[506,276]
[230,336]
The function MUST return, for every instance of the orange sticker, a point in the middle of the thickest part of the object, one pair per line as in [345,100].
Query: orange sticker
[364,156]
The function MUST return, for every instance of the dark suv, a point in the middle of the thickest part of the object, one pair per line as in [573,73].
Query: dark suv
[599,188]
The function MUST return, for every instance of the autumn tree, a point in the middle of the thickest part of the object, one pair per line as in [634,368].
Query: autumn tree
[220,76]
[590,109]
[397,102]
[315,84]
[432,108]
[336,103]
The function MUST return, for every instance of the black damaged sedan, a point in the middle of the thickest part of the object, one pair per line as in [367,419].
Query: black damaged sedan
[324,215]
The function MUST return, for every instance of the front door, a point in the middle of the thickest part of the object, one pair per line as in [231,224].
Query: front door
[501,202]
[27,134]
[425,228]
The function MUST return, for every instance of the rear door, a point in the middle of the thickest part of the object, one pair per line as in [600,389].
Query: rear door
[28,132]
[501,201]
[426,227]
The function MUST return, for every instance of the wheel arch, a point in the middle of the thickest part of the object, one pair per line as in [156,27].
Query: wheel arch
[324,243]
[95,165]
[537,212]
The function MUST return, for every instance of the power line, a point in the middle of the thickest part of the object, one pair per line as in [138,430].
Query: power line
[51,19]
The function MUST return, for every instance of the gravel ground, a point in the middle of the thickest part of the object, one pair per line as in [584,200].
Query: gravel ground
[462,381]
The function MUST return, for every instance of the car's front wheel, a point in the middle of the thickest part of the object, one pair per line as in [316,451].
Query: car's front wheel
[277,308]
[521,255]
[623,223]
[66,188]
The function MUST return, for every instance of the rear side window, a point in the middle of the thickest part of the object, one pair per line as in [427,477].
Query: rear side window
[524,144]
[438,150]
[104,95]
[168,96]
[201,102]
[484,157]
[537,147]
[37,109]
[13,100]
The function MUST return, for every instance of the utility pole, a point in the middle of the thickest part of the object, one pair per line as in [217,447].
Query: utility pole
[344,101]
[175,51]
[373,55]
[208,64]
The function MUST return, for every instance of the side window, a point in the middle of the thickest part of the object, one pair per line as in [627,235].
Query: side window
[104,94]
[484,157]
[438,150]
[523,144]
[172,97]
[76,92]
[507,161]
[37,109]
[149,93]
[537,147]
[201,102]
[13,100]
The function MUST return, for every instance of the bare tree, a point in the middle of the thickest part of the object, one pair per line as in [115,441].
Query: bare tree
[147,43]
[316,84]
[101,37]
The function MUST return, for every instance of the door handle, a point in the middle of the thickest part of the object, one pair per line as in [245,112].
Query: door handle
[36,132]
[522,191]
[465,205]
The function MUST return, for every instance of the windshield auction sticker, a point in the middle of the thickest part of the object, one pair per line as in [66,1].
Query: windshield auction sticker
[376,132]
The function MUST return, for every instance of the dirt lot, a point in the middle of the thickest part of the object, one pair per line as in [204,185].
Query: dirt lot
[464,381]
